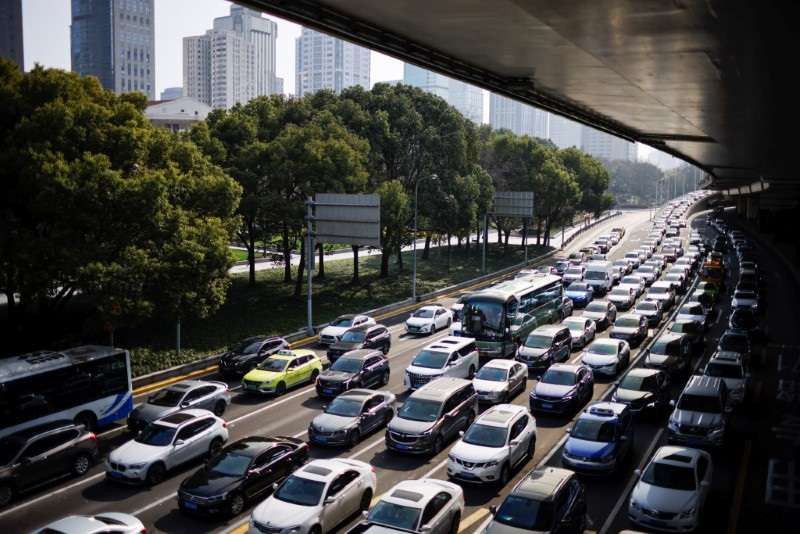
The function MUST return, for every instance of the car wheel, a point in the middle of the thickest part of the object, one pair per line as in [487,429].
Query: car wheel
[438,444]
[219,408]
[81,464]
[314,375]
[236,504]
[385,378]
[366,499]
[315,530]
[503,478]
[354,438]
[531,448]
[214,447]
[280,389]
[386,348]
[6,495]
[454,526]
[471,372]
[156,474]
[449,322]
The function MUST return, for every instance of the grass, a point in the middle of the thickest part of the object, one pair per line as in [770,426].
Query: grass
[270,308]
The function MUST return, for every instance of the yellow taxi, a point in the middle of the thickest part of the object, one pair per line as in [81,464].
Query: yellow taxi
[282,370]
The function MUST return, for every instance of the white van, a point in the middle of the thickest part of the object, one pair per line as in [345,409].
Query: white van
[600,275]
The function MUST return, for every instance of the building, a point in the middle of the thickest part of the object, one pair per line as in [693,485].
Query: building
[233,62]
[664,161]
[11,32]
[114,40]
[564,133]
[325,62]
[178,114]
[606,146]
[522,119]
[464,97]
[171,93]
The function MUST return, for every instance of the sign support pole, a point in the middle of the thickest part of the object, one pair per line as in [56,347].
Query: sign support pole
[309,262]
[485,239]
[525,238]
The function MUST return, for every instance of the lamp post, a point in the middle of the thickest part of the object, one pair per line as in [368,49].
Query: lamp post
[433,177]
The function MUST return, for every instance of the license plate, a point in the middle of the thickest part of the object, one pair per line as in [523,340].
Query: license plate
[327,391]
[252,387]
[547,405]
[190,505]
[401,446]
[322,439]
[115,474]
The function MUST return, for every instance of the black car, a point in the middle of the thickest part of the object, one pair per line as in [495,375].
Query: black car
[242,471]
[36,455]
[735,341]
[375,336]
[744,320]
[356,369]
[244,356]
[644,390]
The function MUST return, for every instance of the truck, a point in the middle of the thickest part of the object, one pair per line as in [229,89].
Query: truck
[600,275]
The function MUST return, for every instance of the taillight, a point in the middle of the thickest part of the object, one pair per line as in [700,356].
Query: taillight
[224,424]
[93,436]
[143,531]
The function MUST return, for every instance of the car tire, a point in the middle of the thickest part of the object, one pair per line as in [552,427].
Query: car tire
[385,349]
[502,480]
[214,447]
[156,474]
[280,389]
[81,464]
[385,378]
[438,445]
[531,448]
[315,530]
[314,375]
[454,526]
[6,495]
[471,372]
[219,408]
[236,504]
[354,438]
[366,500]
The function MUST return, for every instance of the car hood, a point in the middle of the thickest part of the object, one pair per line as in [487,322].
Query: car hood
[635,287]
[701,419]
[258,375]
[591,358]
[586,448]
[134,452]
[619,298]
[576,333]
[529,351]
[476,453]
[336,376]
[419,321]
[489,385]
[425,371]
[659,359]
[281,514]
[646,313]
[335,331]
[662,499]
[151,412]
[631,395]
[496,527]
[595,316]
[682,317]
[577,294]
[624,330]
[553,390]
[205,483]
[326,422]
[346,345]
[407,426]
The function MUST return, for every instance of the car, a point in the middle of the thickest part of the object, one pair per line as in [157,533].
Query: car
[240,473]
[633,282]
[694,312]
[644,253]
[663,292]
[205,394]
[607,356]
[574,273]
[581,330]
[500,380]
[35,455]
[355,369]
[105,523]
[677,281]
[547,500]
[688,261]
[600,440]
[694,330]
[633,258]
[500,440]
[735,341]
[316,498]
[651,309]
[560,266]
[670,352]
[432,416]
[449,356]
[336,328]
[374,336]
[419,506]
[285,369]
[619,230]
[622,298]
[166,443]
[731,368]
[562,389]
[248,353]
[351,416]
[429,319]
[708,287]
[699,296]
[581,293]
[700,416]
[681,269]
[624,266]
[566,308]
[744,320]
[576,258]
[671,491]
[657,262]
[647,272]
[544,346]
[631,327]
[601,312]
[644,390]
[670,253]
[745,299]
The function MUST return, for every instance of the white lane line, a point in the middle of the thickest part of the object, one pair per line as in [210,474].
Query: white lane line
[53,493]
[435,468]
[365,449]
[153,504]
[300,434]
[284,400]
[485,524]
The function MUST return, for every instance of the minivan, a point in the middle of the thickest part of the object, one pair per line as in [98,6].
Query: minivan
[449,356]
[544,346]
[701,413]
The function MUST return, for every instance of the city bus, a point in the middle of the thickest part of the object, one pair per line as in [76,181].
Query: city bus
[90,385]
[501,316]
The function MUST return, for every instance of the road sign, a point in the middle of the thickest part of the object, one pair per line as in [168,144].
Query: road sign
[513,204]
[348,219]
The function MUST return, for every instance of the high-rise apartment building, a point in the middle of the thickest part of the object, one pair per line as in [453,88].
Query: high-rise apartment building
[603,145]
[520,118]
[464,97]
[11,31]
[234,62]
[564,133]
[114,40]
[325,62]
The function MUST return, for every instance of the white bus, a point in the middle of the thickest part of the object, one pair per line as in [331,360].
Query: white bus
[90,385]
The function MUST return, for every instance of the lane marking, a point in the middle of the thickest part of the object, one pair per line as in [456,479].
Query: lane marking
[153,504]
[368,447]
[53,493]
[473,518]
[435,468]
[733,519]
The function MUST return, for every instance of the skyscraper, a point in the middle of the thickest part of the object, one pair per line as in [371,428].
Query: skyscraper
[325,62]
[234,62]
[520,118]
[564,132]
[114,40]
[603,145]
[464,97]
[11,31]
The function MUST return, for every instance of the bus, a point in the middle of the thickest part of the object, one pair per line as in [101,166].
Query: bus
[501,316]
[90,385]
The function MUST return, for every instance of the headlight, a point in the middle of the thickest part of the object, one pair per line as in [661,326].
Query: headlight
[292,530]
[672,425]
[635,505]
[493,463]
[687,513]
[137,466]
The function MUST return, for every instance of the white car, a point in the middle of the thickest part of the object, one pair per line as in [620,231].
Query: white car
[633,281]
[624,266]
[633,258]
[607,356]
[663,292]
[403,508]
[166,443]
[429,319]
[730,367]
[502,438]
[450,356]
[336,328]
[317,497]
[500,380]
[744,299]
[694,312]
[648,272]
[581,329]
[105,523]
[623,298]
[574,274]
[672,489]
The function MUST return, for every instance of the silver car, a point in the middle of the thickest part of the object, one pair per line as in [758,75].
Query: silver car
[105,523]
[207,395]
[351,415]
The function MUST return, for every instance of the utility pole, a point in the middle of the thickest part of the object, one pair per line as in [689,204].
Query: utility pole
[309,260]
[485,239]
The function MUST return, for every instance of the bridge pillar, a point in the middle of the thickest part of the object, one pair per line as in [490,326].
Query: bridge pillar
[753,207]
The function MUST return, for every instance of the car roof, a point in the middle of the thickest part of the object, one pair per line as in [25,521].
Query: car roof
[548,329]
[325,469]
[359,394]
[189,384]
[669,337]
[500,415]
[360,354]
[637,316]
[702,385]
[661,284]
[451,343]
[542,484]
[76,524]
[603,411]
[179,418]
[642,372]
[679,456]
[253,445]
[430,307]
[291,354]
[727,357]
[605,341]
[568,367]
[415,493]
[44,428]
[440,388]
[499,363]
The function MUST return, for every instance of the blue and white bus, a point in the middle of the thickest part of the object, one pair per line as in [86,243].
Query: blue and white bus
[90,385]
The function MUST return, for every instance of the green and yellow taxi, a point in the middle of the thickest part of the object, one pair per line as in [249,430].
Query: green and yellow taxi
[282,370]
[710,288]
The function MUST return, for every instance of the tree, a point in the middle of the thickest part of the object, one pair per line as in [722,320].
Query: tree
[633,182]
[592,179]
[395,210]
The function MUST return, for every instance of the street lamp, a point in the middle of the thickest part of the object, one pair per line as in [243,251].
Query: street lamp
[433,177]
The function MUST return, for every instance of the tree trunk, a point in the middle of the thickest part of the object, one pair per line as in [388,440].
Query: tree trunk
[469,238]
[321,266]
[426,252]
[287,255]
[508,234]
[448,251]
[547,225]
[399,256]
[355,264]
[499,234]
[539,231]
[298,284]
[385,251]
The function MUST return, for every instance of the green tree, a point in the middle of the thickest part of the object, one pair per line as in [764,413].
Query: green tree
[592,179]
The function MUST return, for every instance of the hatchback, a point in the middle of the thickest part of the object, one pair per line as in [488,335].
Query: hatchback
[600,439]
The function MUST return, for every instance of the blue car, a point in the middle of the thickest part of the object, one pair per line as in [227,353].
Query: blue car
[581,293]
[600,439]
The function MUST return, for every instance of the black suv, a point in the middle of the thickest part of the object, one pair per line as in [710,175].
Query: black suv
[34,456]
[243,357]
[375,336]
[356,369]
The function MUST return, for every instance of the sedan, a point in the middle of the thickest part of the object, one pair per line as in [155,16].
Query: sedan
[213,396]
[693,312]
[105,523]
[607,356]
[247,354]
[630,327]
[350,416]
[375,336]
[581,330]
[601,312]
[625,265]
[357,368]
[500,380]
[563,389]
[745,299]
[429,319]
[580,293]
[678,282]
[633,282]
[622,298]
[663,292]
[735,341]
[403,508]
[650,309]
[644,390]
[336,328]
[241,472]
[744,320]
[575,273]
[647,272]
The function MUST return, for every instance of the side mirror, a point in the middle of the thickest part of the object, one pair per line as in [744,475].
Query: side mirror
[728,409]
[637,472]
[515,442]
[275,486]
[568,429]
[184,404]
[461,433]
[672,403]
[493,510]
[252,472]
[330,500]
[179,443]
[425,528]
[365,514]
[705,484]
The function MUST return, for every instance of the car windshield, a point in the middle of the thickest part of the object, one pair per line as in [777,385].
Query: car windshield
[699,403]
[639,383]
[733,343]
[647,306]
[431,359]
[492,374]
[273,364]
[597,307]
[166,397]
[668,348]
[669,476]
[722,370]
[745,295]
[673,277]
[344,407]
[524,513]
[424,313]
[621,293]
[574,323]
[743,319]
[346,365]
[248,346]
[627,322]
[539,341]
[632,280]
[684,328]
[301,491]
[646,268]
[354,336]
[485,436]
[9,448]
[419,410]
[156,435]
[342,322]
[559,378]
[607,349]
[394,515]
[577,286]
[658,290]
[229,464]
[593,430]
[596,275]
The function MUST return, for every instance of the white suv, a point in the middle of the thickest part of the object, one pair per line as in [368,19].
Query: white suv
[450,356]
[502,438]
[166,443]
[426,505]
